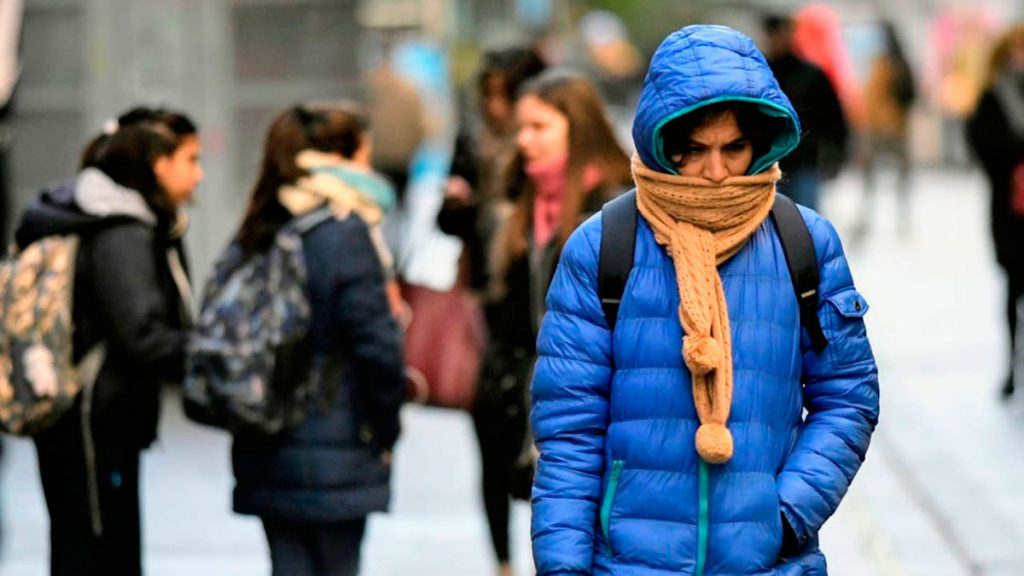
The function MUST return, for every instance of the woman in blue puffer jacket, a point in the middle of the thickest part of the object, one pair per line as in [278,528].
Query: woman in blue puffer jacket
[677,443]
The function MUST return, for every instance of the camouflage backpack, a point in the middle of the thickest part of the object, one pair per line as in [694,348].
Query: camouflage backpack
[38,380]
[248,367]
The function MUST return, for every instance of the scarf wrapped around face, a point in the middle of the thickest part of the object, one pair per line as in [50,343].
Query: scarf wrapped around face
[702,224]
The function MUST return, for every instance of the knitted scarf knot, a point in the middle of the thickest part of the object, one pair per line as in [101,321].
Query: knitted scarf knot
[702,224]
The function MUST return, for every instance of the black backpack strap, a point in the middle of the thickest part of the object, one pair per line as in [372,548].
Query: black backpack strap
[618,240]
[798,246]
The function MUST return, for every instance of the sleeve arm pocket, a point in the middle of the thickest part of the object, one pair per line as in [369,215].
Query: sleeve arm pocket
[843,316]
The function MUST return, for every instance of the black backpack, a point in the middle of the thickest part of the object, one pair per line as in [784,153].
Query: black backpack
[618,241]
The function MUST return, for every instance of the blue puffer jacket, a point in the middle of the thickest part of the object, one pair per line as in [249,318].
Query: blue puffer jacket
[620,488]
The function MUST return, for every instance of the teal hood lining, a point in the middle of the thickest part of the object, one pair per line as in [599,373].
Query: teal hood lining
[783,144]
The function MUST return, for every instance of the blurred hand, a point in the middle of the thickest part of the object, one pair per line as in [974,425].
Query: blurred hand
[457,191]
[385,457]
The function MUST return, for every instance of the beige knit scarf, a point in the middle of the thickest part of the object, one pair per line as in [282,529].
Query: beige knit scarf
[701,225]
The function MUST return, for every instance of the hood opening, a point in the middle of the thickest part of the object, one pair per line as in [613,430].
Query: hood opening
[786,139]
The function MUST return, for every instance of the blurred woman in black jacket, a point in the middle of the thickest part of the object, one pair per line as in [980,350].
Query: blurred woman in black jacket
[996,134]
[132,302]
[313,487]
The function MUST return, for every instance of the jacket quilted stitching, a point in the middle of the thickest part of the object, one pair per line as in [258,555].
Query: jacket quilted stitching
[600,397]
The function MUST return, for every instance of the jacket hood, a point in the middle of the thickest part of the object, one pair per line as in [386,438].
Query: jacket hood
[702,65]
[76,206]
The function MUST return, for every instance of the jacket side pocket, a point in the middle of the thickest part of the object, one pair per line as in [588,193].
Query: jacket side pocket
[606,505]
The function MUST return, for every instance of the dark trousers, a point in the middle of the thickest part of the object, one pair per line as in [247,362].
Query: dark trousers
[500,442]
[75,547]
[314,549]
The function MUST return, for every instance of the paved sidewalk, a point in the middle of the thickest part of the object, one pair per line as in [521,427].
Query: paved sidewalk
[940,493]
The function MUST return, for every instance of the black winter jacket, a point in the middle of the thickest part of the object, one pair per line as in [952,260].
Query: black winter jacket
[131,289]
[330,467]
[998,149]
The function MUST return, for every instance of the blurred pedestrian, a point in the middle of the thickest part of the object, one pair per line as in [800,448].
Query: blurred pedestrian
[483,147]
[399,124]
[890,94]
[567,163]
[474,194]
[818,39]
[824,146]
[313,487]
[635,418]
[132,298]
[995,132]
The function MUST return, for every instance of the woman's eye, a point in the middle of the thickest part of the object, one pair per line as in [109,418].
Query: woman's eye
[736,147]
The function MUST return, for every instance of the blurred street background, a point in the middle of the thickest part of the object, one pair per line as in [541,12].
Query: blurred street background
[942,490]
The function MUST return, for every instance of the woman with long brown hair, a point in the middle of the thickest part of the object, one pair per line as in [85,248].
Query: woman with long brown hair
[314,486]
[567,164]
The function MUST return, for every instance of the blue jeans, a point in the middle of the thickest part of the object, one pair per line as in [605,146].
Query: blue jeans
[802,186]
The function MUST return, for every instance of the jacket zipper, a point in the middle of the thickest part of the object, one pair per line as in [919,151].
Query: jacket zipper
[702,520]
[606,506]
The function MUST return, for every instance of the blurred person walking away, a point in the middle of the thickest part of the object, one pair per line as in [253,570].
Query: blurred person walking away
[961,37]
[567,163]
[132,299]
[693,414]
[890,94]
[995,133]
[314,486]
[473,205]
[399,124]
[824,146]
[610,58]
[818,39]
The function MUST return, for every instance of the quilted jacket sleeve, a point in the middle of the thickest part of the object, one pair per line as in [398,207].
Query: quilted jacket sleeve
[840,395]
[570,411]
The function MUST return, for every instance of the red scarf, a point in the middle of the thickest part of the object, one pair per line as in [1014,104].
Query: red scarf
[550,179]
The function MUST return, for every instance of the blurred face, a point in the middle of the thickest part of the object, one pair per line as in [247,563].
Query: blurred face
[180,172]
[543,130]
[715,151]
[497,107]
